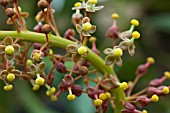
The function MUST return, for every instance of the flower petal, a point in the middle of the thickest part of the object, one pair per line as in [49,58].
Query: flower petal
[76,57]
[16,47]
[8,41]
[2,49]
[16,72]
[9,69]
[109,60]
[32,68]
[99,8]
[85,33]
[4,73]
[41,67]
[118,61]
[9,57]
[125,35]
[124,45]
[93,29]
[79,28]
[131,49]
[108,51]
[85,19]
[71,48]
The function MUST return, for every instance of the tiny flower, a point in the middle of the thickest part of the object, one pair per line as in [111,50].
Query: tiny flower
[155,98]
[135,22]
[98,102]
[86,29]
[35,87]
[113,55]
[51,91]
[77,50]
[77,6]
[9,48]
[166,90]
[39,81]
[102,96]
[8,87]
[71,97]
[15,16]
[123,85]
[37,55]
[94,49]
[108,95]
[90,6]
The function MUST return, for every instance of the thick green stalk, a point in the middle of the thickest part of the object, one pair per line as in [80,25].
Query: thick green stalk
[93,58]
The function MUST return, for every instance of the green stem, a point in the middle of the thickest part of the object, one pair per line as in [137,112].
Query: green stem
[56,41]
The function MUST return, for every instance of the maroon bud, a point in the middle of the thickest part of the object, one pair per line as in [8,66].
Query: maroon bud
[61,67]
[37,46]
[142,101]
[69,33]
[4,3]
[128,111]
[129,106]
[68,80]
[91,91]
[141,70]
[83,70]
[85,63]
[152,90]
[77,18]
[155,82]
[42,4]
[112,32]
[77,90]
[38,27]
[50,78]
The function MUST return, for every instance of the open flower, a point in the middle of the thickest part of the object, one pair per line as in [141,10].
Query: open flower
[9,74]
[9,48]
[91,6]
[129,43]
[113,55]
[86,29]
[78,50]
[15,16]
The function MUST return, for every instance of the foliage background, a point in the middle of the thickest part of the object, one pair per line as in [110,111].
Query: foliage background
[154,16]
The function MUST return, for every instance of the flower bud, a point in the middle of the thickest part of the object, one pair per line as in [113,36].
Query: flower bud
[46,28]
[142,101]
[8,87]
[61,67]
[155,82]
[77,90]
[87,26]
[9,12]
[83,70]
[135,22]
[68,80]
[98,102]
[4,3]
[40,81]
[71,97]
[112,32]
[10,77]
[38,27]
[129,106]
[42,4]
[69,33]
[141,70]
[77,18]
[82,50]
[9,50]
[91,91]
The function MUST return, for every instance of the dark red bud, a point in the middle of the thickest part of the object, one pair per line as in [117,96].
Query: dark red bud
[69,33]
[77,18]
[141,70]
[129,106]
[68,80]
[112,32]
[142,101]
[77,90]
[38,27]
[155,82]
[61,67]
[91,91]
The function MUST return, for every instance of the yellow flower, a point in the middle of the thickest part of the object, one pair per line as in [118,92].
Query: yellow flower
[92,1]
[35,87]
[98,102]
[40,81]
[10,77]
[8,87]
[115,16]
[77,4]
[117,52]
[71,97]
[102,96]
[166,90]
[167,74]
[151,60]
[87,26]
[82,50]
[123,86]
[136,34]
[155,98]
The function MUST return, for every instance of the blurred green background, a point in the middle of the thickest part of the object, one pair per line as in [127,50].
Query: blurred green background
[154,17]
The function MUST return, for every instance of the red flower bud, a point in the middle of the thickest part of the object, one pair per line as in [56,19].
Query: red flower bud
[142,101]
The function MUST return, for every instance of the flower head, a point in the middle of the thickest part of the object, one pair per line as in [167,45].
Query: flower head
[98,102]
[86,29]
[9,48]
[113,55]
